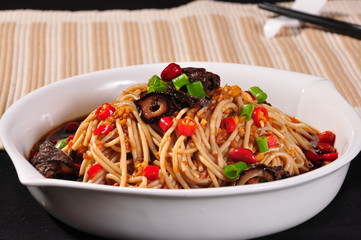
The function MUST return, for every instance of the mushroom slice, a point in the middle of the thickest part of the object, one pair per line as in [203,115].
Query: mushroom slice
[183,99]
[52,162]
[153,106]
[258,173]
[209,80]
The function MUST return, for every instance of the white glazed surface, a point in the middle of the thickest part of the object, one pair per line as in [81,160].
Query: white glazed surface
[230,212]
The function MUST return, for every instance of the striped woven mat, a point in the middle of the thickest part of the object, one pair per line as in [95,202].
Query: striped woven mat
[41,47]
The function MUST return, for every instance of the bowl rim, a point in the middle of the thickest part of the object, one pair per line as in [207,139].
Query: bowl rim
[41,181]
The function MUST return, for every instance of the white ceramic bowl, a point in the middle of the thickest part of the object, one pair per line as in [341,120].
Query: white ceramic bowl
[224,213]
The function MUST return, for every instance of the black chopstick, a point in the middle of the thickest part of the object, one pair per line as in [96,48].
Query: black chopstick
[332,25]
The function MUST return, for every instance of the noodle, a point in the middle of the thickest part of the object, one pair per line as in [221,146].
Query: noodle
[185,162]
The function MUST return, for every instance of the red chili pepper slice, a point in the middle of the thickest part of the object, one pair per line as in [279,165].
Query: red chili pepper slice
[94,170]
[186,126]
[171,71]
[260,116]
[329,156]
[312,156]
[325,147]
[228,124]
[327,136]
[104,111]
[151,172]
[103,129]
[324,151]
[165,123]
[271,139]
[243,154]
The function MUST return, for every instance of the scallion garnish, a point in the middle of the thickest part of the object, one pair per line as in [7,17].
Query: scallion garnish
[247,111]
[196,89]
[258,94]
[262,143]
[180,81]
[233,170]
[155,83]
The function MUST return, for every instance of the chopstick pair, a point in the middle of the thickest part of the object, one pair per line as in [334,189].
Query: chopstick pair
[345,28]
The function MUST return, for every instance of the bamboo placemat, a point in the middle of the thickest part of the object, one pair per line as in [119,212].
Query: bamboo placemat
[42,47]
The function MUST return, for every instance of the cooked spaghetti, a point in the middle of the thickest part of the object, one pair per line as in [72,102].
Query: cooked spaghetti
[127,149]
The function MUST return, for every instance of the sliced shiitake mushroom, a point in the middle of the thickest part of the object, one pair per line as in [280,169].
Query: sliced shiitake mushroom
[53,163]
[153,106]
[258,173]
[184,99]
[209,80]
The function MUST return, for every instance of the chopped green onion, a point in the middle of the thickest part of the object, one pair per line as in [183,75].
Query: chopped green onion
[241,165]
[196,89]
[61,143]
[151,89]
[154,80]
[155,83]
[159,88]
[180,81]
[247,111]
[258,94]
[232,171]
[262,143]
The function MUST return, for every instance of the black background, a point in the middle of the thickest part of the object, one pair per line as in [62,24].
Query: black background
[74,5]
[21,217]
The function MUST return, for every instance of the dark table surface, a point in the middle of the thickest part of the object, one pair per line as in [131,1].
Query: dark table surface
[21,217]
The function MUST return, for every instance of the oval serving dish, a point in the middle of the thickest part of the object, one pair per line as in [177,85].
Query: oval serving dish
[237,212]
